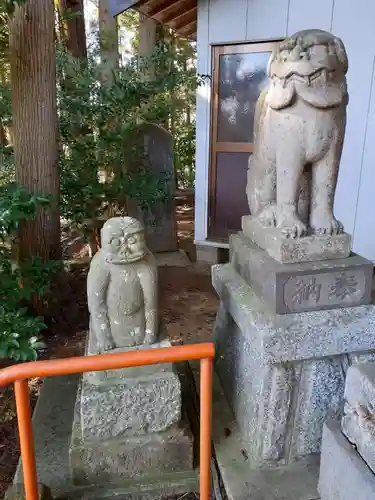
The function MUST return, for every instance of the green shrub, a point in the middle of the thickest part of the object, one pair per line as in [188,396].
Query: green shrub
[19,331]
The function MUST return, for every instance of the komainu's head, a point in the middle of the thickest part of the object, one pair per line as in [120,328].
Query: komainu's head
[123,240]
[311,64]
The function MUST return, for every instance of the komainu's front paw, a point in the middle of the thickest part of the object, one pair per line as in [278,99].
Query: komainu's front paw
[326,224]
[290,225]
[267,217]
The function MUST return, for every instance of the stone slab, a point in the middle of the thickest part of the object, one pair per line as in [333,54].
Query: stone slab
[139,405]
[289,251]
[167,486]
[358,423]
[113,377]
[304,286]
[113,460]
[283,375]
[17,492]
[243,482]
[343,473]
[52,427]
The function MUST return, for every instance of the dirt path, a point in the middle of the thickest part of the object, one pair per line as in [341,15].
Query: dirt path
[188,305]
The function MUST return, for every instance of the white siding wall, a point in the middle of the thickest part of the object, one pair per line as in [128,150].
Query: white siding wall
[226,21]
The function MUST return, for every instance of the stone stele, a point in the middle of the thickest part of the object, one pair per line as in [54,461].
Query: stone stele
[299,130]
[155,145]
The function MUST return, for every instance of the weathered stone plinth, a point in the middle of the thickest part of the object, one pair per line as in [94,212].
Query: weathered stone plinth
[137,406]
[128,424]
[288,250]
[110,460]
[358,423]
[52,429]
[131,401]
[343,473]
[304,286]
[284,374]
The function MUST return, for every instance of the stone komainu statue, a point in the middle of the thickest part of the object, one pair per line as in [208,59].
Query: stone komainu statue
[122,288]
[299,130]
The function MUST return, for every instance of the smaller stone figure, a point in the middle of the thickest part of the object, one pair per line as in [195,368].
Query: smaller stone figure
[122,287]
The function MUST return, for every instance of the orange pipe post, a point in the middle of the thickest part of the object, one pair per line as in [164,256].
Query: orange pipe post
[26,439]
[205,428]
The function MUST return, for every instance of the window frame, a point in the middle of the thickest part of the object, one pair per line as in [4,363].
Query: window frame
[216,146]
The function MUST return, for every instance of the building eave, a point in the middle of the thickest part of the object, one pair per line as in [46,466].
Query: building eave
[180,15]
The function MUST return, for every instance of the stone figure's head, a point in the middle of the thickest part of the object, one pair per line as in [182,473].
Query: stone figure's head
[123,240]
[311,64]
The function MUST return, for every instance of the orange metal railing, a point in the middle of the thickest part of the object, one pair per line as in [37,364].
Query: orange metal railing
[19,374]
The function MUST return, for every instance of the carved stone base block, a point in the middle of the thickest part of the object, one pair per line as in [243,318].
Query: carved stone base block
[128,423]
[343,473]
[151,403]
[305,286]
[129,430]
[283,375]
[113,460]
[358,423]
[289,251]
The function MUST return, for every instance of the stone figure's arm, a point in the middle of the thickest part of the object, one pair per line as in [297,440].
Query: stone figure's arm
[97,284]
[149,281]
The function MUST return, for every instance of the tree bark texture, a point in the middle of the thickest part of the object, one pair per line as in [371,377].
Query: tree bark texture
[33,76]
[73,27]
[147,36]
[108,33]
[151,33]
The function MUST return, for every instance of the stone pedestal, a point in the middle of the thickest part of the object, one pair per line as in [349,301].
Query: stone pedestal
[284,374]
[289,250]
[304,286]
[129,423]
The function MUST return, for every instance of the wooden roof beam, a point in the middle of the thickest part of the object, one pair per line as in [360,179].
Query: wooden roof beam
[163,6]
[184,19]
[181,8]
[189,29]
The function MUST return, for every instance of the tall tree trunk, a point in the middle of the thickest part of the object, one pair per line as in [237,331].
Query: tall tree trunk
[72,23]
[72,35]
[33,75]
[108,33]
[151,34]
[147,36]
[109,54]
[3,136]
